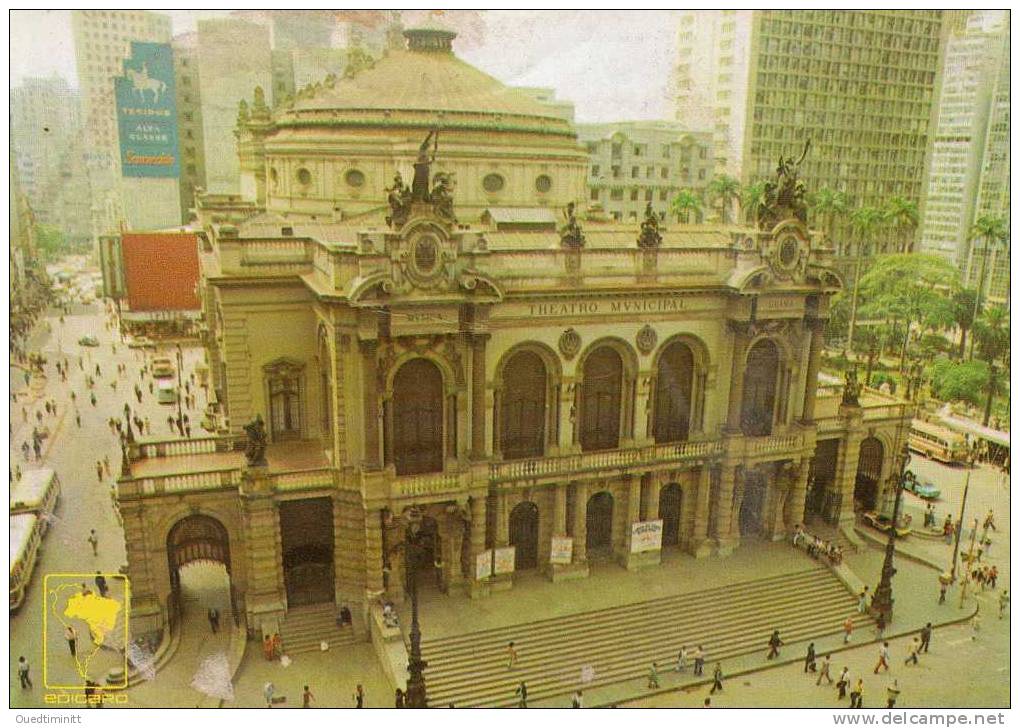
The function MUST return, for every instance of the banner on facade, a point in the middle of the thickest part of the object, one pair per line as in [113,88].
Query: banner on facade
[562,551]
[645,536]
[505,559]
[483,565]
[147,113]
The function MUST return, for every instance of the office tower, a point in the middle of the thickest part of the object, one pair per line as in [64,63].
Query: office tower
[189,120]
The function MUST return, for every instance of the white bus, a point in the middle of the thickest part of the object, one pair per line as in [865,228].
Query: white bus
[37,492]
[26,533]
[166,391]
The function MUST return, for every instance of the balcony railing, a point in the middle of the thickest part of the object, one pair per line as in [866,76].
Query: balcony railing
[410,486]
[772,444]
[196,446]
[223,478]
[304,479]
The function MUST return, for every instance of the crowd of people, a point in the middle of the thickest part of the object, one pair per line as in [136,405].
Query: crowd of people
[817,547]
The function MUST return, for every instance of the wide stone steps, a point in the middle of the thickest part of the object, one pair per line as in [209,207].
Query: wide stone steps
[620,643]
[304,629]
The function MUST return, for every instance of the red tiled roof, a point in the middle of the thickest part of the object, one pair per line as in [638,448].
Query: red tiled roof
[161,271]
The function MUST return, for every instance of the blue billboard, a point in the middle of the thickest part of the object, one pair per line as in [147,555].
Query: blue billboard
[147,113]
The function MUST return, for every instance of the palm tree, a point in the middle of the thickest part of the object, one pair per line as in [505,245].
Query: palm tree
[963,314]
[991,331]
[687,201]
[902,215]
[752,198]
[992,231]
[829,204]
[864,221]
[724,190]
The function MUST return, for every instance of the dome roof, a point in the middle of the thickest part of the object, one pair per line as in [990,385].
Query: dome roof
[426,76]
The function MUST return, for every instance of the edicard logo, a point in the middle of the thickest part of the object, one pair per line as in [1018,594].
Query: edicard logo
[85,633]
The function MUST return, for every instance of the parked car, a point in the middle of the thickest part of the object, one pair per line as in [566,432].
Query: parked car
[884,523]
[162,367]
[922,488]
[141,342]
[88,341]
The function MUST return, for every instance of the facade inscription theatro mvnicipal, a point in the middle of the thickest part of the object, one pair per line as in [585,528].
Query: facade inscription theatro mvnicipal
[661,304]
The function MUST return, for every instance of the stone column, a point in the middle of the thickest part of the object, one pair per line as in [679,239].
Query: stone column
[370,424]
[502,520]
[725,542]
[478,517]
[559,527]
[266,598]
[652,489]
[478,342]
[374,557]
[568,415]
[562,572]
[736,399]
[816,326]
[633,561]
[798,495]
[642,408]
[699,545]
[841,501]
[580,526]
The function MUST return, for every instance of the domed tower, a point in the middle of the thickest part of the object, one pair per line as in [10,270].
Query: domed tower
[333,149]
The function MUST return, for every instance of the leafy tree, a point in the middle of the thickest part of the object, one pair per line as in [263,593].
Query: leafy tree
[905,288]
[752,199]
[963,302]
[724,190]
[993,231]
[901,214]
[51,242]
[959,381]
[829,204]
[686,203]
[991,331]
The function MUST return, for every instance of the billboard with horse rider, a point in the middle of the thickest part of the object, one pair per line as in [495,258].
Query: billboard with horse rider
[147,113]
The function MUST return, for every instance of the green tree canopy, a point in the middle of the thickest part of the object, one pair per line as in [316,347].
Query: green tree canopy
[724,190]
[866,222]
[752,198]
[959,381]
[828,204]
[51,242]
[686,203]
[964,301]
[902,215]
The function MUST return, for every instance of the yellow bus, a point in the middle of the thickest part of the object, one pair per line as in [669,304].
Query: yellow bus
[37,492]
[26,533]
[937,443]
[166,391]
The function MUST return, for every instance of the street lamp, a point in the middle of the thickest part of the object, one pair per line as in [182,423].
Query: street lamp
[971,457]
[415,541]
[180,389]
[882,602]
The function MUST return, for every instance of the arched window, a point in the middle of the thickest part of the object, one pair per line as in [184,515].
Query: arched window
[759,403]
[284,382]
[325,390]
[601,397]
[522,406]
[674,385]
[418,418]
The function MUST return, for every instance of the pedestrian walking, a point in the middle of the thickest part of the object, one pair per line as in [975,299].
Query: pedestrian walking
[99,472]
[267,692]
[843,683]
[880,625]
[824,671]
[975,626]
[862,601]
[77,420]
[883,657]
[511,656]
[926,633]
[699,660]
[716,679]
[915,647]
[681,660]
[809,659]
[71,635]
[993,576]
[578,700]
[653,676]
[892,693]
[857,695]
[214,623]
[37,448]
[359,697]
[23,676]
[942,592]
[101,584]
[990,520]
[92,398]
[148,426]
[307,698]
[522,695]
[94,540]
[1003,602]
[774,644]
[398,698]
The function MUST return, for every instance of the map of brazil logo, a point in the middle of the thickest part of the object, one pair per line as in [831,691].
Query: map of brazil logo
[85,631]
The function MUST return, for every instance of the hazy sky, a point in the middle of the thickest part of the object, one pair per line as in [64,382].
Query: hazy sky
[612,64]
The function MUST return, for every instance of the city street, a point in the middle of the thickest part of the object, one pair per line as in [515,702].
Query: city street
[85,502]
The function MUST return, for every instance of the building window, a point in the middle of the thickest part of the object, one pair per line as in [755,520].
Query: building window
[648,195]
[616,172]
[635,172]
[355,178]
[634,194]
[522,407]
[601,400]
[493,183]
[595,193]
[616,193]
[417,418]
[284,383]
[595,170]
[543,183]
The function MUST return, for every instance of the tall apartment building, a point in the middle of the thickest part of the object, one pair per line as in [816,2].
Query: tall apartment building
[973,59]
[46,135]
[189,119]
[102,40]
[861,85]
[634,163]
[228,74]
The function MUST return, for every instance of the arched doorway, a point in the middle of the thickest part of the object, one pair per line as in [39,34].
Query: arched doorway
[198,555]
[869,473]
[430,557]
[599,523]
[306,539]
[760,376]
[821,477]
[674,383]
[522,414]
[601,397]
[418,418]
[669,512]
[752,506]
[524,535]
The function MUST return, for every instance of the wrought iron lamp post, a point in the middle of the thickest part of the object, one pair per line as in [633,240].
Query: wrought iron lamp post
[971,456]
[180,389]
[882,602]
[414,545]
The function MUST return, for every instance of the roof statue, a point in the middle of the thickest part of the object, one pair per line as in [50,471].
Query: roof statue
[255,448]
[259,109]
[242,113]
[650,236]
[851,387]
[785,196]
[435,191]
[399,198]
[571,235]
[420,184]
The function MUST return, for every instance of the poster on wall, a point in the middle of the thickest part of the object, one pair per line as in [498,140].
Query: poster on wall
[147,112]
[645,536]
[483,565]
[505,558]
[562,550]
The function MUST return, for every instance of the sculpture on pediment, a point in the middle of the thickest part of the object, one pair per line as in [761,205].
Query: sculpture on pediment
[442,197]
[571,235]
[786,195]
[399,198]
[255,448]
[650,236]
[420,183]
[851,387]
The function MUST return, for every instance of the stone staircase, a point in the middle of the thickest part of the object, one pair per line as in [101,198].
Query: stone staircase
[620,643]
[305,627]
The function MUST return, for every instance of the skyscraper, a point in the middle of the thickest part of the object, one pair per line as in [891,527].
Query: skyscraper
[967,155]
[860,85]
[189,119]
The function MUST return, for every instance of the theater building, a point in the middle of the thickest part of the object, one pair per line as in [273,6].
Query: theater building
[573,389]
